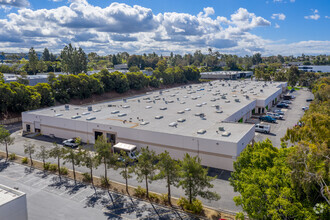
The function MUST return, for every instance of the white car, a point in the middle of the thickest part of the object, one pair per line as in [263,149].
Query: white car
[305,108]
[274,115]
[262,128]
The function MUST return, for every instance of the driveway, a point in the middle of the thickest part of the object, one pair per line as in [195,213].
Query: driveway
[291,118]
[49,197]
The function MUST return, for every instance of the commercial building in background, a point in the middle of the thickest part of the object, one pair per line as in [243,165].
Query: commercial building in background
[317,69]
[227,75]
[12,204]
[202,119]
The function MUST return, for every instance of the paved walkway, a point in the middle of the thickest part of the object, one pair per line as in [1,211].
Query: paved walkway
[49,197]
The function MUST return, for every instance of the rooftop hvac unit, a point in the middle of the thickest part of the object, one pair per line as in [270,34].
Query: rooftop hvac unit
[159,117]
[182,102]
[217,107]
[227,101]
[148,107]
[223,97]
[201,131]
[173,124]
[199,105]
[221,129]
[236,100]
[226,134]
[122,115]
[85,113]
[163,108]
[58,115]
[181,120]
[90,118]
[219,111]
[115,112]
[97,110]
[144,123]
[75,117]
[126,106]
[180,112]
[90,108]
[188,109]
[67,107]
[170,101]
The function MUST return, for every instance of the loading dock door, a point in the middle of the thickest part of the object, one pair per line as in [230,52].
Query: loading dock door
[97,134]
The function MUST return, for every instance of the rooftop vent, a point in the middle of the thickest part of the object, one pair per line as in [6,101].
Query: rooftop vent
[173,124]
[159,117]
[90,118]
[148,107]
[85,113]
[67,107]
[126,106]
[181,120]
[122,114]
[199,105]
[201,131]
[219,111]
[148,101]
[170,101]
[182,102]
[58,115]
[193,98]
[188,109]
[236,100]
[227,101]
[157,98]
[185,96]
[146,98]
[200,114]
[144,123]
[97,110]
[223,97]
[89,108]
[75,117]
[221,129]
[213,100]
[226,134]
[180,112]
[115,112]
[204,103]
[163,108]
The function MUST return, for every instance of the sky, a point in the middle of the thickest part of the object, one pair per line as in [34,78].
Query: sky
[241,27]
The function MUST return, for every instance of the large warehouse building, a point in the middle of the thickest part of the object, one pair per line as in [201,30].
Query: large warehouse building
[202,119]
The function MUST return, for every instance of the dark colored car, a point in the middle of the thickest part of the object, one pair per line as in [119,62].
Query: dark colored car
[309,100]
[267,118]
[282,105]
[70,143]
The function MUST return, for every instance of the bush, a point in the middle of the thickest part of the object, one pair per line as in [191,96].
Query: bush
[153,197]
[239,216]
[53,167]
[46,166]
[87,177]
[104,181]
[140,192]
[195,207]
[12,156]
[25,160]
[163,198]
[64,171]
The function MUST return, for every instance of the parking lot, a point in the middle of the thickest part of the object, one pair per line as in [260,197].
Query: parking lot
[49,197]
[291,118]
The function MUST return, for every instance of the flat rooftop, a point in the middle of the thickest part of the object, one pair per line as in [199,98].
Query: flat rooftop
[181,110]
[8,194]
[225,72]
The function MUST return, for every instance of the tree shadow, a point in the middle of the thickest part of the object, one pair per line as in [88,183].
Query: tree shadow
[95,198]
[4,165]
[28,170]
[42,174]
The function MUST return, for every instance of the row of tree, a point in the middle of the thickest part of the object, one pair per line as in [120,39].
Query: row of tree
[289,182]
[188,173]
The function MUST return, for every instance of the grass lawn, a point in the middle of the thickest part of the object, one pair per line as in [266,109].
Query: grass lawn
[295,88]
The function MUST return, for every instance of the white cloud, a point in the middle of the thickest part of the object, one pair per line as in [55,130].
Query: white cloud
[314,16]
[15,3]
[328,17]
[277,26]
[279,16]
[135,29]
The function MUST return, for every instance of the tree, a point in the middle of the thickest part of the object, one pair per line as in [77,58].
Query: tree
[73,60]
[72,156]
[194,179]
[103,149]
[43,155]
[124,163]
[90,160]
[46,55]
[57,152]
[169,169]
[22,79]
[33,60]
[42,66]
[145,167]
[256,59]
[5,139]
[30,150]
[46,92]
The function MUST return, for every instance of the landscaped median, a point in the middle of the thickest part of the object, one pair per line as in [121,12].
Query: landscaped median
[137,192]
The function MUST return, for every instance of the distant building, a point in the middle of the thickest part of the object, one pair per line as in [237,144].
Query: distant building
[121,66]
[320,69]
[226,75]
[12,204]
[33,79]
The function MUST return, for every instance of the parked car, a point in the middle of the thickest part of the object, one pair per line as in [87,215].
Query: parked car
[286,102]
[305,108]
[267,118]
[70,143]
[262,128]
[275,115]
[277,111]
[309,100]
[282,105]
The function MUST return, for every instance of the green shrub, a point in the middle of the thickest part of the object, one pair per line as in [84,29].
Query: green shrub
[195,207]
[87,177]
[25,160]
[140,192]
[64,171]
[239,216]
[104,181]
[46,166]
[153,197]
[53,167]
[12,156]
[163,198]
